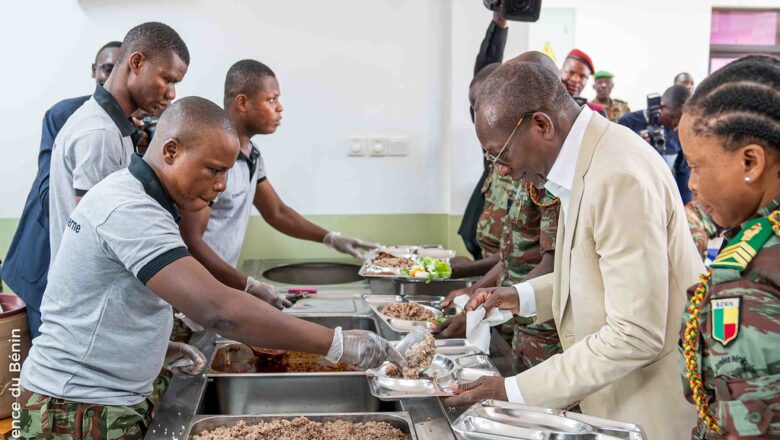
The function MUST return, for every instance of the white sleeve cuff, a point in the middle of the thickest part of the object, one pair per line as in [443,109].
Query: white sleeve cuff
[527,299]
[513,393]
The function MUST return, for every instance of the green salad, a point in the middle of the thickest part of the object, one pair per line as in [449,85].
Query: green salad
[429,269]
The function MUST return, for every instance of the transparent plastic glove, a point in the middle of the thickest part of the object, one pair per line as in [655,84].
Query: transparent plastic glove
[346,245]
[184,360]
[266,292]
[361,348]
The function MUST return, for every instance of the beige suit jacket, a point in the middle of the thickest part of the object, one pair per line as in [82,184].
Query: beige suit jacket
[623,262]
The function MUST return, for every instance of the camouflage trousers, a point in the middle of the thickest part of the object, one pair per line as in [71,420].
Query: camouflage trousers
[534,343]
[44,417]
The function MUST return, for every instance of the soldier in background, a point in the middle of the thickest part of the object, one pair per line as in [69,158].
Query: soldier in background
[603,85]
[730,133]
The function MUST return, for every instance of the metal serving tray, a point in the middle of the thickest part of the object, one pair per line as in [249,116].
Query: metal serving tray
[445,370]
[400,420]
[370,270]
[503,420]
[395,324]
[434,382]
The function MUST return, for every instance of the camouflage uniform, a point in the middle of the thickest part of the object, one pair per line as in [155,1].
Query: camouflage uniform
[702,227]
[497,191]
[615,108]
[528,234]
[736,345]
[43,417]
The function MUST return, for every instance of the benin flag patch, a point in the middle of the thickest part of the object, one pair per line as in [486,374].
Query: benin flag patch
[725,319]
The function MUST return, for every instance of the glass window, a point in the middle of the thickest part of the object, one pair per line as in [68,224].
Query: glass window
[739,32]
[757,28]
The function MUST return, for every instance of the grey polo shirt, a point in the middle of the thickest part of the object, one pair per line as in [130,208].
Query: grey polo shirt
[230,212]
[104,333]
[94,143]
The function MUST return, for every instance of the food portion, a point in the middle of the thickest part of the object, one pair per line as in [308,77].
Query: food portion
[303,428]
[421,353]
[408,311]
[429,269]
[388,260]
[418,358]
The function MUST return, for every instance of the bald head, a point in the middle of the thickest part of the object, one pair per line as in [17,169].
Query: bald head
[479,78]
[190,120]
[194,147]
[535,57]
[517,88]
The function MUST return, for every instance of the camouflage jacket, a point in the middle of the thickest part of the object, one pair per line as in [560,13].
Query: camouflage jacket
[529,232]
[615,108]
[738,345]
[497,191]
[701,225]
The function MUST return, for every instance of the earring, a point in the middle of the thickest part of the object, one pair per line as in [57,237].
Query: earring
[747,178]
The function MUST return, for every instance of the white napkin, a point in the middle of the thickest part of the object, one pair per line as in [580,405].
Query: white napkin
[478,325]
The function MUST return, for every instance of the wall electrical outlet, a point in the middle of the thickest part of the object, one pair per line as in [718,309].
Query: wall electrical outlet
[377,147]
[355,146]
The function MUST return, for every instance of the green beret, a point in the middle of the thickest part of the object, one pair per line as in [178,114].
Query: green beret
[603,74]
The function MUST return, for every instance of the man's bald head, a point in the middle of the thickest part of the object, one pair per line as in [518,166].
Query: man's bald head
[479,78]
[535,57]
[191,119]
[517,88]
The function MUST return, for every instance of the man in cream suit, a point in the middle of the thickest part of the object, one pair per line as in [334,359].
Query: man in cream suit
[623,261]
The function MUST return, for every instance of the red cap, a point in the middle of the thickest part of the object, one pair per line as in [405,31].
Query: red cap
[582,57]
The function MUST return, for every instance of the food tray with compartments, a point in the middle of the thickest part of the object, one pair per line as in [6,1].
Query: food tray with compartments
[497,420]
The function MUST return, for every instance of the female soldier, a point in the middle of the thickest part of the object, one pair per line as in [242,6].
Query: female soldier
[730,133]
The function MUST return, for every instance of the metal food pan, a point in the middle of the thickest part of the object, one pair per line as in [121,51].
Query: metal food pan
[400,420]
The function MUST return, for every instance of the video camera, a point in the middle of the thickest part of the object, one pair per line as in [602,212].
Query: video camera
[149,127]
[655,131]
[516,10]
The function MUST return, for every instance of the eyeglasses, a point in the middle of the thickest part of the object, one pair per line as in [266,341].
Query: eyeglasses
[496,159]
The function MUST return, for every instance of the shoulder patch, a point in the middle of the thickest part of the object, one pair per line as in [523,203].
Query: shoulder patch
[744,247]
[725,319]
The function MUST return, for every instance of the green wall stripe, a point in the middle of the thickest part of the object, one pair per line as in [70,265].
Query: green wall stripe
[263,242]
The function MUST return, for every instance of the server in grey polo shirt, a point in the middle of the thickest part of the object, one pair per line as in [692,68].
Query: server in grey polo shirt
[122,264]
[95,141]
[215,236]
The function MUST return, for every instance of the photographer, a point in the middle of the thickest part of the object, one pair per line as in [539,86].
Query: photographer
[657,124]
[483,244]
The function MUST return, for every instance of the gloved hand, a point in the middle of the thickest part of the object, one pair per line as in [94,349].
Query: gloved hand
[346,245]
[361,348]
[266,292]
[183,359]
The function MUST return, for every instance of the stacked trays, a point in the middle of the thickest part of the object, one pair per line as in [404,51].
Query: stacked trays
[497,420]
[456,361]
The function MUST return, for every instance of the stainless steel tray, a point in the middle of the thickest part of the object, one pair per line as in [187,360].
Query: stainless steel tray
[370,270]
[434,382]
[446,369]
[399,325]
[400,420]
[503,420]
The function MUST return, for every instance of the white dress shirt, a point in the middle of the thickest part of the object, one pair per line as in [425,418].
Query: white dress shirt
[559,182]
